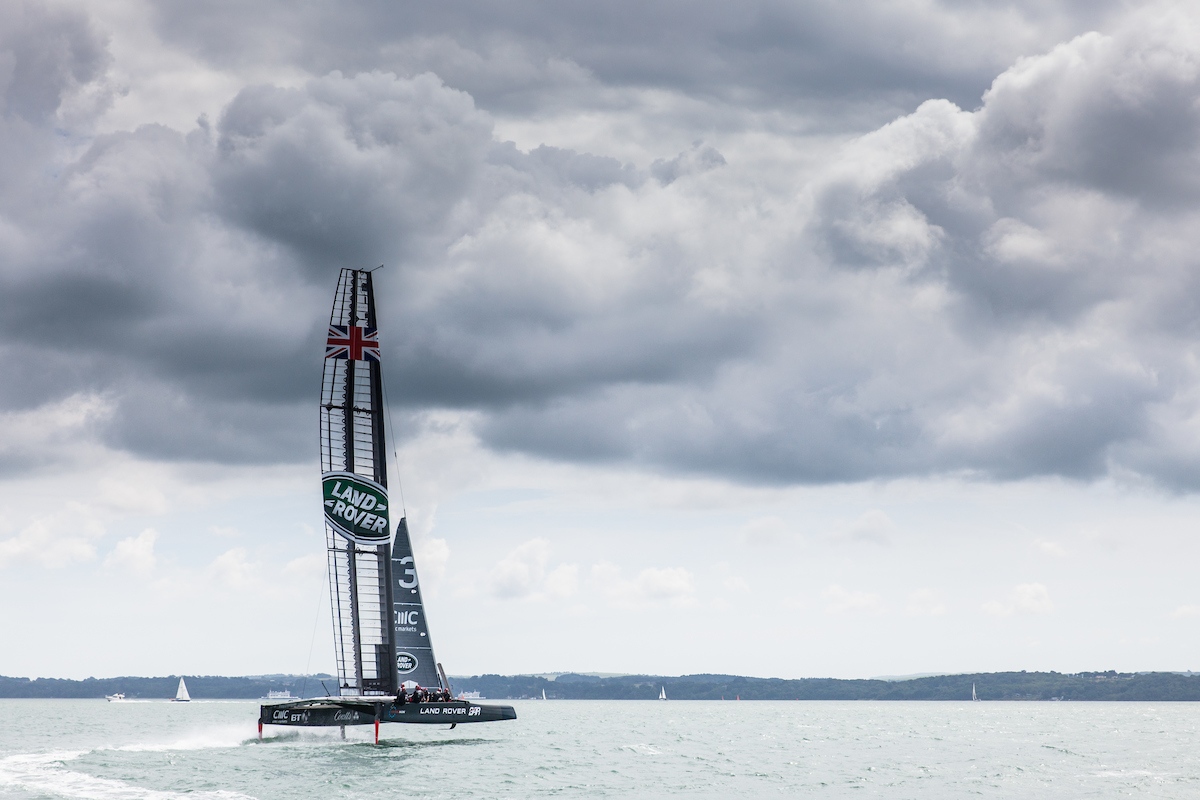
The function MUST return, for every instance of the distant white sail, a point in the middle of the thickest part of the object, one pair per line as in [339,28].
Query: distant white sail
[181,694]
[662,693]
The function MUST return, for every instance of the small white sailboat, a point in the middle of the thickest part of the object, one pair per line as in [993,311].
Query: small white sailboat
[181,694]
[662,693]
[974,697]
[543,694]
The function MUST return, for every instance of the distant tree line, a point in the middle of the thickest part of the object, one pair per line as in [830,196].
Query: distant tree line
[1143,686]
[1147,686]
[199,686]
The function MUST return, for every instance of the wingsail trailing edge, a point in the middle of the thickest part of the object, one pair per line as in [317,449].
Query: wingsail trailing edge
[386,668]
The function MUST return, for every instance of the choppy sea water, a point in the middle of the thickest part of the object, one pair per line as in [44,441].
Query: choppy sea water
[601,749]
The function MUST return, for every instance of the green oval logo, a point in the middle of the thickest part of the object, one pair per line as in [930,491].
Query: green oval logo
[356,507]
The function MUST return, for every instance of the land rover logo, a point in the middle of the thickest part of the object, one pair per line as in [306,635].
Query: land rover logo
[356,507]
[405,663]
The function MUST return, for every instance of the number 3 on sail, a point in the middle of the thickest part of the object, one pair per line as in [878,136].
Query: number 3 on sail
[385,663]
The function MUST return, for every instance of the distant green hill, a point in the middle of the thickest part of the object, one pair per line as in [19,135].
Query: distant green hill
[1142,686]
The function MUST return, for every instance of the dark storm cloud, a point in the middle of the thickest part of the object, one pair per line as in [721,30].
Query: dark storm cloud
[372,164]
[169,266]
[537,53]
[1003,291]
[117,291]
[583,170]
[167,422]
[700,158]
[1051,257]
[47,50]
[486,349]
[801,439]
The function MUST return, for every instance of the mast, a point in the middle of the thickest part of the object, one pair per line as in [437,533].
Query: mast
[386,651]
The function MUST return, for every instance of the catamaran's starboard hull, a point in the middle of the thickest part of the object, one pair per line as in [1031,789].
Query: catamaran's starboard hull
[326,713]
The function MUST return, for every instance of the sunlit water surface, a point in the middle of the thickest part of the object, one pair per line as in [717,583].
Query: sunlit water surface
[160,751]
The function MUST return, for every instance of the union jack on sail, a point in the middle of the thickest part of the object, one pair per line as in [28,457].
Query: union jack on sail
[352,342]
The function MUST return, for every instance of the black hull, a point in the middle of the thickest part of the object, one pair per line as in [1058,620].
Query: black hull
[332,711]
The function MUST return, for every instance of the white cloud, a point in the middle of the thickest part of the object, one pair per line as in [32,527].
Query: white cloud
[234,569]
[525,574]
[1186,611]
[562,581]
[842,601]
[522,571]
[310,566]
[736,584]
[135,553]
[925,603]
[432,555]
[668,583]
[1025,598]
[49,542]
[764,531]
[1050,548]
[673,585]
[56,432]
[872,527]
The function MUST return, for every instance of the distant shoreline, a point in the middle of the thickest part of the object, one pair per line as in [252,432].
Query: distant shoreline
[990,686]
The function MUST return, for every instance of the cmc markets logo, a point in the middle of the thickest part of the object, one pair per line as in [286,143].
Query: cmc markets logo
[356,507]
[405,663]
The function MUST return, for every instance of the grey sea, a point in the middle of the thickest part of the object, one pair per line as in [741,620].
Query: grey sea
[567,749]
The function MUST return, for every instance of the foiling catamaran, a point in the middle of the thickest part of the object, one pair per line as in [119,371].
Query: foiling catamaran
[381,638]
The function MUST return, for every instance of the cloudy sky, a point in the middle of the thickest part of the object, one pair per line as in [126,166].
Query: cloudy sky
[776,338]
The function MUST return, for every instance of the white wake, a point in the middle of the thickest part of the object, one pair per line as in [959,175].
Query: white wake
[210,738]
[48,773]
